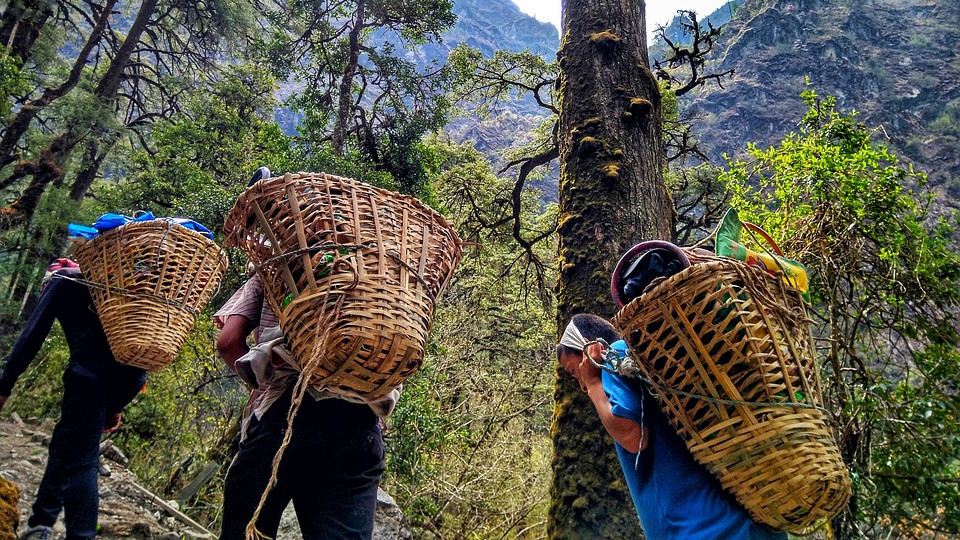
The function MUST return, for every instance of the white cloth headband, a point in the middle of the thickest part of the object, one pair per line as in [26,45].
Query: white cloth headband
[573,338]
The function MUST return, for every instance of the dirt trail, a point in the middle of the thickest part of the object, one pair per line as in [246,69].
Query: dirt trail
[125,511]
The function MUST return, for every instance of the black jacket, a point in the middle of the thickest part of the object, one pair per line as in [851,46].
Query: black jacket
[69,302]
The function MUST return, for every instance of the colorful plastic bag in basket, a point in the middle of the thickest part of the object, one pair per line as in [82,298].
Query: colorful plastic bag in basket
[728,245]
[111,221]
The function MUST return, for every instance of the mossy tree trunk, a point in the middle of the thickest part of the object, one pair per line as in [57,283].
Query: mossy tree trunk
[612,196]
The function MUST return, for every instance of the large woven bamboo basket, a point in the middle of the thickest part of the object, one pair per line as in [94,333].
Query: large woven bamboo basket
[148,281]
[729,354]
[352,271]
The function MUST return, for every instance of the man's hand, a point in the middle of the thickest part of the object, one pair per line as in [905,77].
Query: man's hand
[3,400]
[112,423]
[589,374]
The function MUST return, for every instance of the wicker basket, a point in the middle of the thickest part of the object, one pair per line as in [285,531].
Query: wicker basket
[352,271]
[728,350]
[148,280]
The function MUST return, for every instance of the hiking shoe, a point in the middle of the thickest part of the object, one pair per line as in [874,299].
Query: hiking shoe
[38,532]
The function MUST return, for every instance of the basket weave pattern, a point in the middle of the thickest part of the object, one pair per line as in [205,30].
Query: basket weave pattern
[360,265]
[728,349]
[148,280]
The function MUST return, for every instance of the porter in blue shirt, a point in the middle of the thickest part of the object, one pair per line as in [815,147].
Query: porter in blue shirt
[675,497]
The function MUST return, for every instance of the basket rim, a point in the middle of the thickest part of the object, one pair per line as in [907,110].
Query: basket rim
[86,251]
[234,217]
[716,263]
[159,223]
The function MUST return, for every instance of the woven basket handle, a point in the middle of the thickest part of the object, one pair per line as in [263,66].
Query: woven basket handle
[773,245]
[753,228]
[763,234]
[633,252]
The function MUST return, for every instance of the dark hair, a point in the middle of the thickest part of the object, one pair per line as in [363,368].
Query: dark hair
[594,326]
[591,327]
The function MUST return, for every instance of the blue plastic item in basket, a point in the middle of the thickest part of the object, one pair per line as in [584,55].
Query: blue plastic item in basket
[82,231]
[112,221]
[193,226]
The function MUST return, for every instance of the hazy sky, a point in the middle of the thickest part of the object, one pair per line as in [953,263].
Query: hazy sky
[658,11]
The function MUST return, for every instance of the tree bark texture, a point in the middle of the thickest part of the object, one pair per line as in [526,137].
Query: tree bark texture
[611,197]
[20,25]
[345,97]
[92,161]
[50,165]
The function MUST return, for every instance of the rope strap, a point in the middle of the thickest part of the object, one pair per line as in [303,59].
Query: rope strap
[326,246]
[299,391]
[332,246]
[129,293]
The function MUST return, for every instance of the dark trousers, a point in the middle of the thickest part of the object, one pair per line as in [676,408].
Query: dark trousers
[330,470]
[70,479]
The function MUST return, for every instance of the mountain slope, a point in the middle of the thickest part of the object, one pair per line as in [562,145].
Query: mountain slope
[499,24]
[896,62]
[490,25]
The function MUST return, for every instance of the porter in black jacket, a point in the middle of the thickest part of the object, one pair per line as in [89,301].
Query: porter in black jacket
[95,390]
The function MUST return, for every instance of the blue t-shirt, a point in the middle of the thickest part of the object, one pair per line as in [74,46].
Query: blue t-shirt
[675,497]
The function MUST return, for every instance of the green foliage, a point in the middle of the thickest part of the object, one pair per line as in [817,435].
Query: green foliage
[416,21]
[947,124]
[469,446]
[25,254]
[700,198]
[38,391]
[886,287]
[173,427]
[350,163]
[920,41]
[12,81]
[417,428]
[484,83]
[360,98]
[200,162]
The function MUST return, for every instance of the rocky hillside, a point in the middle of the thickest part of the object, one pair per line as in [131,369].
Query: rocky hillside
[674,31]
[490,25]
[894,61]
